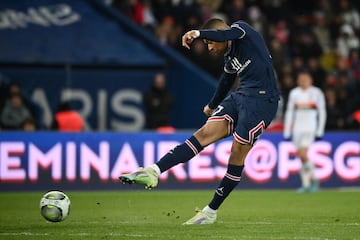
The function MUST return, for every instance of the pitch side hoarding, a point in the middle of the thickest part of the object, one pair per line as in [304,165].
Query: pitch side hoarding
[93,161]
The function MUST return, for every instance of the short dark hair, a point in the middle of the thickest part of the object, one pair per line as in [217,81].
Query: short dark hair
[304,71]
[213,23]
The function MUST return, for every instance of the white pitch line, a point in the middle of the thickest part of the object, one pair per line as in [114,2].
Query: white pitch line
[23,234]
[349,189]
[290,223]
[82,234]
[271,238]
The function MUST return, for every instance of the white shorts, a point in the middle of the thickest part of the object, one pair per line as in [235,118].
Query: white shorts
[303,139]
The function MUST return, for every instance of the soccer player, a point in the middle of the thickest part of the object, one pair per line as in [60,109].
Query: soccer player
[245,113]
[305,118]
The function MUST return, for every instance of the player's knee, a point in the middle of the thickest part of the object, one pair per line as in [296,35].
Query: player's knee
[238,153]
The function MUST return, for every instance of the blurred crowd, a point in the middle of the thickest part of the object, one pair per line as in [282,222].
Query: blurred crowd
[320,36]
[16,112]
[19,113]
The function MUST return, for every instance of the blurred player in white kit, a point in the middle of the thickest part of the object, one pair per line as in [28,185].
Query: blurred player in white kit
[305,118]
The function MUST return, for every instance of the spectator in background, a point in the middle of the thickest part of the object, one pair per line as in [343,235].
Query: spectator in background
[277,10]
[149,18]
[347,41]
[67,119]
[14,113]
[158,102]
[334,25]
[281,33]
[321,30]
[335,120]
[349,14]
[15,88]
[317,72]
[235,10]
[306,45]
[354,64]
[164,31]
[329,58]
[279,55]
[133,9]
[286,85]
[346,95]
[2,93]
[29,125]
[162,8]
[257,19]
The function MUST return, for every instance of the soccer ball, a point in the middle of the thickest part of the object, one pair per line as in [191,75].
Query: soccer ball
[55,206]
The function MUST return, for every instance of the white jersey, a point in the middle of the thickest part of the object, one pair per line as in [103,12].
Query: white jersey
[305,112]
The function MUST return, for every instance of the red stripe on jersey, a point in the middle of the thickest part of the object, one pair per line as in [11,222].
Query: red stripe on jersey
[306,105]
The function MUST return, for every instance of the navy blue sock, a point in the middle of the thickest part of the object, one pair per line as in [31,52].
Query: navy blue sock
[228,183]
[180,154]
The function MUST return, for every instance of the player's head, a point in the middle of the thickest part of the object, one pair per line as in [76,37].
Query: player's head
[159,81]
[216,24]
[304,79]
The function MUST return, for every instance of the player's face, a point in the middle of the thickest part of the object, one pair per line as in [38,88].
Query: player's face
[304,80]
[217,48]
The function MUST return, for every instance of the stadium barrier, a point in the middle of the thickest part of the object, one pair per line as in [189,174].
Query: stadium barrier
[93,161]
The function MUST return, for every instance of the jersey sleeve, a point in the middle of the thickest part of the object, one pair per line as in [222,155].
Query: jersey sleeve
[234,32]
[321,105]
[289,115]
[225,83]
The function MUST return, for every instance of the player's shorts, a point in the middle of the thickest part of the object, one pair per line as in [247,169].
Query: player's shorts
[247,116]
[303,139]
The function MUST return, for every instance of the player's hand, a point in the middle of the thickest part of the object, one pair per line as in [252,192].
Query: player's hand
[208,111]
[189,37]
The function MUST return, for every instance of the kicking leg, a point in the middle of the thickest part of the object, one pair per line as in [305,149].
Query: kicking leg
[209,133]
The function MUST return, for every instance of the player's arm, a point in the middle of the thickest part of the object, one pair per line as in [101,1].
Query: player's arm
[234,32]
[321,105]
[225,83]
[289,115]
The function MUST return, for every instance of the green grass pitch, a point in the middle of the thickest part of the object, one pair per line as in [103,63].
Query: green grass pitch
[158,214]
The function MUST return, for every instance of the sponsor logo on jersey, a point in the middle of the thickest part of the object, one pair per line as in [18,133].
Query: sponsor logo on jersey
[234,66]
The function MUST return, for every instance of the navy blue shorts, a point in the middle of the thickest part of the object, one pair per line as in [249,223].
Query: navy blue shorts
[247,116]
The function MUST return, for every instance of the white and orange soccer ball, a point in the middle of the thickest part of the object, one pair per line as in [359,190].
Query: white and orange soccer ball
[55,206]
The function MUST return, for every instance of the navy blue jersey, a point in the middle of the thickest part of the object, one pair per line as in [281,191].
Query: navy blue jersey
[247,57]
